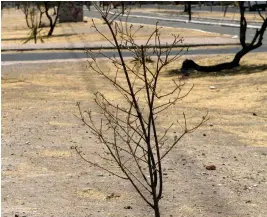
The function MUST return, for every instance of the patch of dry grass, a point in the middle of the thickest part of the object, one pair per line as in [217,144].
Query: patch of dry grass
[14,28]
[238,94]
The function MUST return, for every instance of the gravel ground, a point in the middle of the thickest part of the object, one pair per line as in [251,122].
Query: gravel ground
[43,176]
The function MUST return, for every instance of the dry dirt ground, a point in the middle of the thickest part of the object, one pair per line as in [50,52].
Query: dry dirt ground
[15,31]
[43,176]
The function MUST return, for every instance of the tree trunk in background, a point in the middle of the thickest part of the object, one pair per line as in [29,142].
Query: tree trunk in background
[51,22]
[185,7]
[122,7]
[255,43]
[189,10]
[225,10]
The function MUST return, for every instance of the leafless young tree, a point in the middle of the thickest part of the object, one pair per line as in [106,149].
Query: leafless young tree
[33,9]
[133,139]
[34,22]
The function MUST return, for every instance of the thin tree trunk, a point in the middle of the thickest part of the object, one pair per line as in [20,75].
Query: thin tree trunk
[40,20]
[185,7]
[156,208]
[189,10]
[27,22]
[51,23]
[122,7]
[225,10]
[41,15]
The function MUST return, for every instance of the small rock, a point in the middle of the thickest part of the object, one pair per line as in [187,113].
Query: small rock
[210,167]
[245,188]
[204,134]
[27,143]
[112,195]
[248,201]
[254,114]
[127,207]
[212,87]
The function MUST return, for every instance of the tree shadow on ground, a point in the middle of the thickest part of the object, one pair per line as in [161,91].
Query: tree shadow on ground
[243,69]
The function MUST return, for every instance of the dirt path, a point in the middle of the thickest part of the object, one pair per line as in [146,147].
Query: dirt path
[42,175]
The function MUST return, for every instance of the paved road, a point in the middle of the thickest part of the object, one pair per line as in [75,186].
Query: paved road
[208,28]
[195,7]
[194,18]
[31,56]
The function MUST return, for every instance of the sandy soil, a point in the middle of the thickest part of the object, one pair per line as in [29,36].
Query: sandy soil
[43,176]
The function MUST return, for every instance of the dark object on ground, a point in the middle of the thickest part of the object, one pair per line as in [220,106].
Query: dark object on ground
[210,167]
[191,65]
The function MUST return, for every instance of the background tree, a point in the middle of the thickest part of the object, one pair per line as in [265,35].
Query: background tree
[34,21]
[41,9]
[187,9]
[25,7]
[130,131]
[255,43]
[52,21]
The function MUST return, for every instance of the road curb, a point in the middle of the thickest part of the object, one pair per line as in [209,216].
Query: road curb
[186,21]
[112,47]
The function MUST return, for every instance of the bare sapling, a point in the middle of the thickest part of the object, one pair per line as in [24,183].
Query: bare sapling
[134,142]
[34,19]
